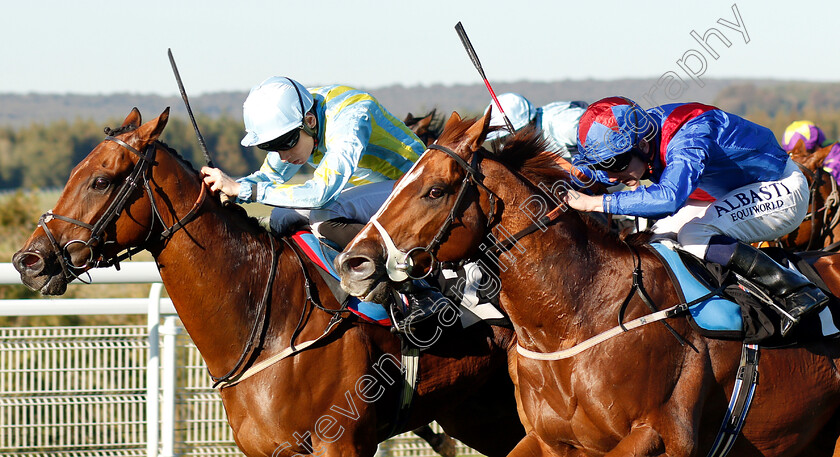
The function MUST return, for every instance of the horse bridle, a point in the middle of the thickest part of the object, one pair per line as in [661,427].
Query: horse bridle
[139,176]
[399,263]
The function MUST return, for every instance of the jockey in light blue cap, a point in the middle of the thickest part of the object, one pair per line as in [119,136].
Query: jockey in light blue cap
[354,147]
[557,122]
[345,136]
[518,109]
[720,181]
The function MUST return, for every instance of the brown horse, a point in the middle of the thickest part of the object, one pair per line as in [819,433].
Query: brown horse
[640,393]
[820,229]
[245,296]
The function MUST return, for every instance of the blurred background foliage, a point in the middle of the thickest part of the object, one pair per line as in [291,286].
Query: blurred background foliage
[36,158]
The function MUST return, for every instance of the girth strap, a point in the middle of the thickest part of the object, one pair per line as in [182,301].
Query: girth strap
[739,404]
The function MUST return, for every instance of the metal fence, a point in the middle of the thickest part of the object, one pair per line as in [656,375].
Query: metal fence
[116,391]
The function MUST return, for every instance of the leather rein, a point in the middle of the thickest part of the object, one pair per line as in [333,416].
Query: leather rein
[831,202]
[139,177]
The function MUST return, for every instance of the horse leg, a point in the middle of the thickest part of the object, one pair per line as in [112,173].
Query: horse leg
[514,376]
[643,441]
[442,443]
[531,446]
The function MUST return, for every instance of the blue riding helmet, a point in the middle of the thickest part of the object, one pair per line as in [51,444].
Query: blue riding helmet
[609,128]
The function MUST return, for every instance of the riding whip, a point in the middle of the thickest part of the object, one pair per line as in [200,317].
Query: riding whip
[474,57]
[189,110]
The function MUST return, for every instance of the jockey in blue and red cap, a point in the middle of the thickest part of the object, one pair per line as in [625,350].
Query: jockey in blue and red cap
[719,182]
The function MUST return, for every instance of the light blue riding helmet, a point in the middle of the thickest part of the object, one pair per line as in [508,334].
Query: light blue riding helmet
[274,107]
[518,109]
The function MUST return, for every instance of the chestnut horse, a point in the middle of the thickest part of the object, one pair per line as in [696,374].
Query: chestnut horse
[245,296]
[640,393]
[820,229]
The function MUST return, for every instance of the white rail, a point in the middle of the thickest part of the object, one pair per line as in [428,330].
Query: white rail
[160,439]
[75,349]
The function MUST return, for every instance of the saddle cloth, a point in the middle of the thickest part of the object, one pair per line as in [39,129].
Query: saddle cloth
[324,257]
[459,287]
[722,317]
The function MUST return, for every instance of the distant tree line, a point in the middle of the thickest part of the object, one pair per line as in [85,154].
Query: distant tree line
[42,156]
[776,106]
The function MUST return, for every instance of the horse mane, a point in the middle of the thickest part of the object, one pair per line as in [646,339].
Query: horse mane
[526,152]
[233,208]
[533,158]
[529,153]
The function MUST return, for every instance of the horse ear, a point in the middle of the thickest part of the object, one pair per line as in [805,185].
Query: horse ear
[133,119]
[453,119]
[798,153]
[423,124]
[150,131]
[478,132]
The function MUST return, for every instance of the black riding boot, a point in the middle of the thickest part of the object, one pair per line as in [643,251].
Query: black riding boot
[421,302]
[795,294]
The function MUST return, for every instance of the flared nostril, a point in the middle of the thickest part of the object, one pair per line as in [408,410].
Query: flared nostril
[359,267]
[28,261]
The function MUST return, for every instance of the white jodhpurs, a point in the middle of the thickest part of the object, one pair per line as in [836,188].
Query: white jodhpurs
[756,212]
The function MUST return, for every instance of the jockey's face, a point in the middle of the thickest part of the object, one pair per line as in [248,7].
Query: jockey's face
[299,154]
[632,175]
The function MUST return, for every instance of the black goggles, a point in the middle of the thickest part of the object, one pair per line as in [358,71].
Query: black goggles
[616,164]
[284,142]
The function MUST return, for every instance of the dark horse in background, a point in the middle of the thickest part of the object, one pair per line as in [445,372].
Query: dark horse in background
[427,128]
[640,393]
[245,296]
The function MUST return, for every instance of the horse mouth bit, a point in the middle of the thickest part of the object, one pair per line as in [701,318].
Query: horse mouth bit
[399,264]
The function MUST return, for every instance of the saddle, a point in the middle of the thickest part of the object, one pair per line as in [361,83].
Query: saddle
[740,311]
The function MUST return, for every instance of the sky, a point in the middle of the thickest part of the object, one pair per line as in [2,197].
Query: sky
[103,47]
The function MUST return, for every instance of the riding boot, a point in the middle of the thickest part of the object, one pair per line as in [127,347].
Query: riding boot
[794,293]
[421,302]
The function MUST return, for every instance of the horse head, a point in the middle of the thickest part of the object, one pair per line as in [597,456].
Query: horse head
[436,213]
[102,211]
[441,211]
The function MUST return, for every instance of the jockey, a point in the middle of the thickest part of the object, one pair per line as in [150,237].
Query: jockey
[813,139]
[721,181]
[807,131]
[557,121]
[343,133]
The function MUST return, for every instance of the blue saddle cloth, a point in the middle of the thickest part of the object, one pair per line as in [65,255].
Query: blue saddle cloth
[324,256]
[715,314]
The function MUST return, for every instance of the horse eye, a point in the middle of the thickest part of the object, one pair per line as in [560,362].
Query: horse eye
[101,183]
[435,193]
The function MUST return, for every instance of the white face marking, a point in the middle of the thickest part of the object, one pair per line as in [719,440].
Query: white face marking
[412,174]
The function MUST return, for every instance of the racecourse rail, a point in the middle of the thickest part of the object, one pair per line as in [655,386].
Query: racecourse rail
[120,390]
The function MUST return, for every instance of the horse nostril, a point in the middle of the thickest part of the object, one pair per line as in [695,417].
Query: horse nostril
[28,261]
[355,266]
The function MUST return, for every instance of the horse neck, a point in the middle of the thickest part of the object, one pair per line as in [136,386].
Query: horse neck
[216,270]
[550,279]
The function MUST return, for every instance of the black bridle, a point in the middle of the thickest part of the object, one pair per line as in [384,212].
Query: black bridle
[473,179]
[139,177]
